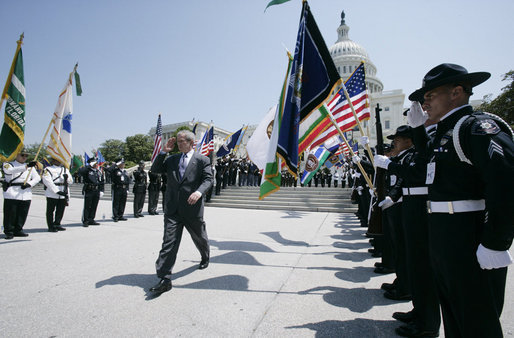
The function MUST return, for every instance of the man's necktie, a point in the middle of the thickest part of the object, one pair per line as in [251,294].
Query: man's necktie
[182,165]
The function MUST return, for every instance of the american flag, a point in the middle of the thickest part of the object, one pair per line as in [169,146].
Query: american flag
[207,146]
[157,144]
[340,108]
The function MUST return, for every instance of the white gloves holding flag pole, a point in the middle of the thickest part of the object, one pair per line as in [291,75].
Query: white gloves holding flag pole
[364,140]
[382,161]
[492,259]
[386,203]
[416,116]
[356,159]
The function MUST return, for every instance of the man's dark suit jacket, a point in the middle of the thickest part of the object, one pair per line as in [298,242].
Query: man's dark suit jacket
[197,177]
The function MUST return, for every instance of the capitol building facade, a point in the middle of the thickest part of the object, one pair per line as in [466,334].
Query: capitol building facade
[347,56]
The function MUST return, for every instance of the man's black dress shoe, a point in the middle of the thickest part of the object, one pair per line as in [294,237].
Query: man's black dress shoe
[378,264]
[203,264]
[20,234]
[9,236]
[94,223]
[59,228]
[163,286]
[405,317]
[52,229]
[394,295]
[122,219]
[388,286]
[136,216]
[413,331]
[383,270]
[85,225]
[141,215]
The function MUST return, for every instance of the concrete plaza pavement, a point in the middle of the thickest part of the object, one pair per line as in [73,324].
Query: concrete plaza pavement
[272,274]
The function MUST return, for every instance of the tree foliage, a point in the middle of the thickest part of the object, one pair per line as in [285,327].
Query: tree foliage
[32,150]
[113,149]
[503,104]
[138,147]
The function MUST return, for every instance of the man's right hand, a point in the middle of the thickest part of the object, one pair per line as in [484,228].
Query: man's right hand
[170,144]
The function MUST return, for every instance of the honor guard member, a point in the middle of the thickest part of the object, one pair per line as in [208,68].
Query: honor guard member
[93,190]
[19,178]
[119,189]
[56,179]
[425,319]
[219,168]
[154,188]
[139,189]
[470,204]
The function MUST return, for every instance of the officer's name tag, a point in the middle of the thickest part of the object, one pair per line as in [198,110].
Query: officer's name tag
[430,173]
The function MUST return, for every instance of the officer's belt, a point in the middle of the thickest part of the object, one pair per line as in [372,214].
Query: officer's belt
[415,191]
[452,207]
[91,187]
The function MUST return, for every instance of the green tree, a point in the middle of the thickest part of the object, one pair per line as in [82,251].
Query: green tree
[32,150]
[503,104]
[113,149]
[139,147]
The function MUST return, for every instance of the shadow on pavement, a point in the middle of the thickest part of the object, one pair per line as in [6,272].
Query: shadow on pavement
[239,246]
[277,237]
[358,300]
[356,328]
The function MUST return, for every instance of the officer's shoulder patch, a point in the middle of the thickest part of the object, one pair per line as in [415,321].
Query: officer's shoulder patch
[7,165]
[485,127]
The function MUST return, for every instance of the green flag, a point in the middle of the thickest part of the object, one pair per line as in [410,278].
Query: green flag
[13,129]
[76,163]
[275,2]
[78,86]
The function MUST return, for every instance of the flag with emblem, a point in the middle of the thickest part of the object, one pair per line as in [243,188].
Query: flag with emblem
[312,78]
[315,159]
[59,146]
[157,141]
[100,157]
[340,107]
[231,142]
[13,129]
[76,163]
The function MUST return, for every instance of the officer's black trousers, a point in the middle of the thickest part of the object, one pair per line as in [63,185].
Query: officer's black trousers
[139,202]
[394,214]
[471,298]
[153,200]
[54,211]
[388,258]
[91,199]
[119,200]
[422,283]
[15,215]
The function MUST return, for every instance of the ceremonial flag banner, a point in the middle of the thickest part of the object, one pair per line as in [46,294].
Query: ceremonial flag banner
[258,144]
[157,143]
[275,2]
[230,143]
[315,159]
[207,145]
[59,146]
[341,110]
[312,78]
[76,163]
[13,129]
[101,159]
[86,157]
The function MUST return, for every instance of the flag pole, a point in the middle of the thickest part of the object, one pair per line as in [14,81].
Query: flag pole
[366,177]
[11,71]
[358,122]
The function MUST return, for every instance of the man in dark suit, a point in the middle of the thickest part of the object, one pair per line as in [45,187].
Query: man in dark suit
[189,178]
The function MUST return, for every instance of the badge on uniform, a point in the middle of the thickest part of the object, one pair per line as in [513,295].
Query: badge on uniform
[430,173]
[485,127]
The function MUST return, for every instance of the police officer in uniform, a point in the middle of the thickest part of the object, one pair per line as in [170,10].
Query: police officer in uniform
[220,168]
[425,319]
[19,178]
[92,190]
[119,189]
[56,179]
[139,189]
[154,187]
[470,204]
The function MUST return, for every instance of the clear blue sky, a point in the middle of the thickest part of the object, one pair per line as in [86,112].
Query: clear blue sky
[224,60]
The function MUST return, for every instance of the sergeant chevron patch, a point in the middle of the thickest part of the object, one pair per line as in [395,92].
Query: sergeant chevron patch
[495,148]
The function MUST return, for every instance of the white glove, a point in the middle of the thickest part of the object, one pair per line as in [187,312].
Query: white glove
[492,259]
[416,116]
[382,161]
[356,159]
[386,203]
[371,192]
[101,194]
[364,140]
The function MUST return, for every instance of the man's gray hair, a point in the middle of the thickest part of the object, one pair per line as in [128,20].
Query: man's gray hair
[188,135]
